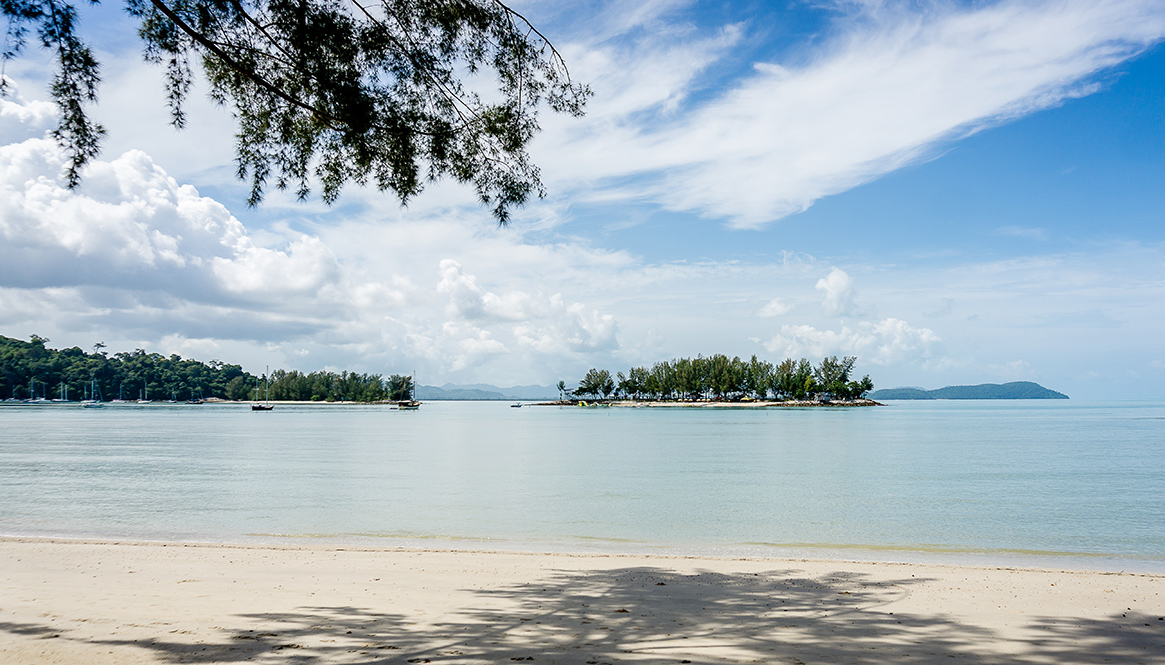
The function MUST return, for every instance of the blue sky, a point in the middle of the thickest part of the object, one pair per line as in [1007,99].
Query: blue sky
[953,192]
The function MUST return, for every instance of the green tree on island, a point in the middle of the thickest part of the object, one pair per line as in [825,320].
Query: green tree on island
[52,372]
[719,377]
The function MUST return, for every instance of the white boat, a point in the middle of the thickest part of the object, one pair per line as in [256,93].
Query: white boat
[94,401]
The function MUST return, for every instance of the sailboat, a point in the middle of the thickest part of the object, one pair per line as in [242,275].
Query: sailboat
[410,404]
[196,400]
[94,401]
[32,391]
[145,394]
[266,405]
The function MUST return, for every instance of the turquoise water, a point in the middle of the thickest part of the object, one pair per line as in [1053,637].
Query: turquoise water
[1078,482]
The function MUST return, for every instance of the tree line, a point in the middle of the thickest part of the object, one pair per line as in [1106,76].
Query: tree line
[31,369]
[345,386]
[719,377]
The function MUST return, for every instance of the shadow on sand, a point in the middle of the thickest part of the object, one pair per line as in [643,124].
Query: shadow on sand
[651,615]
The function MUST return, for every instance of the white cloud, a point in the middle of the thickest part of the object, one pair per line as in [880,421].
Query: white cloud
[139,260]
[891,85]
[887,342]
[22,119]
[775,307]
[838,288]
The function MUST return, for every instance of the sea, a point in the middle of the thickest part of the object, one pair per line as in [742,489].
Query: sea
[1043,483]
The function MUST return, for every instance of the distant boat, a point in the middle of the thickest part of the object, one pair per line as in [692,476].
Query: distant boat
[515,406]
[266,405]
[33,399]
[196,400]
[410,404]
[94,401]
[145,394]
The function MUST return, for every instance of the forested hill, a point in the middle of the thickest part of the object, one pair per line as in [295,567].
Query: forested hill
[1013,390]
[31,369]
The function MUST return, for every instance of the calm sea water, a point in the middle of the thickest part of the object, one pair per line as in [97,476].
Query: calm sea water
[1060,482]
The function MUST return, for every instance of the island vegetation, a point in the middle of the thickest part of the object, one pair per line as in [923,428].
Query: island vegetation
[31,370]
[720,378]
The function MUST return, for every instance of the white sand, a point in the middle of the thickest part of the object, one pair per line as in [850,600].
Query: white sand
[95,602]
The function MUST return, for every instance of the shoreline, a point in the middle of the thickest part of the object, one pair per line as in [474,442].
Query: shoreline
[147,602]
[709,404]
[1049,562]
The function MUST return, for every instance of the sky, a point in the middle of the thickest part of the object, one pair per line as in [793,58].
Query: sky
[953,192]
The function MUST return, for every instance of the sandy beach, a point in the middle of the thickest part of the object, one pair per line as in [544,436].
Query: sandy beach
[120,602]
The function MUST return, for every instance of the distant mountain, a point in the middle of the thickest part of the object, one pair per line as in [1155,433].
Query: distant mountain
[484,391]
[1013,390]
[900,393]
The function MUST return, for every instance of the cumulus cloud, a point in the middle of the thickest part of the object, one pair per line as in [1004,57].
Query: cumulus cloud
[22,119]
[133,249]
[136,258]
[838,288]
[775,307]
[543,324]
[887,342]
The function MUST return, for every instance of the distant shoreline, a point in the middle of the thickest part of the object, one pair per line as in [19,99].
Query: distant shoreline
[707,404]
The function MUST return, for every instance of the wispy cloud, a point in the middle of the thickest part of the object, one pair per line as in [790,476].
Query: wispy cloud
[892,85]
[1022,232]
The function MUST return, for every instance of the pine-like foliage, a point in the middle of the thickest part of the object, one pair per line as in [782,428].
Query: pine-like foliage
[719,377]
[327,92]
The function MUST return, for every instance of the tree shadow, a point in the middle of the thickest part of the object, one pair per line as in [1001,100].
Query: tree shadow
[655,615]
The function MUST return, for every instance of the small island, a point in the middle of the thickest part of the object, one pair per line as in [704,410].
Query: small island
[719,381]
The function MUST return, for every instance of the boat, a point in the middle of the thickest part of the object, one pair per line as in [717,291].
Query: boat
[64,393]
[410,404]
[145,393]
[516,406]
[33,399]
[94,401]
[196,400]
[266,405]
